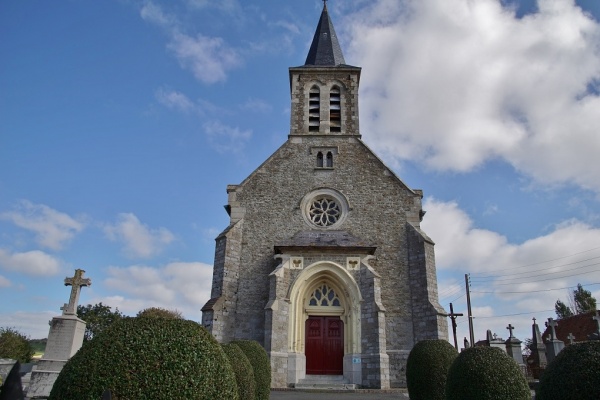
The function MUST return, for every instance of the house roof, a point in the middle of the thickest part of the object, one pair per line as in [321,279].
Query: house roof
[325,50]
[580,326]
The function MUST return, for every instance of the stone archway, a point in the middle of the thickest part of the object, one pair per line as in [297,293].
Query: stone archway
[344,306]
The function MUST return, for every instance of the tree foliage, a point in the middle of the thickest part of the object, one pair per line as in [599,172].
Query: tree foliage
[97,318]
[157,312]
[562,310]
[584,301]
[15,345]
[581,301]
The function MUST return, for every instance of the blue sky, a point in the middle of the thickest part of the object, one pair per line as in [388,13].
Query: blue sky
[122,122]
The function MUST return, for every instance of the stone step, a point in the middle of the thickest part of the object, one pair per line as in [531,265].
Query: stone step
[325,382]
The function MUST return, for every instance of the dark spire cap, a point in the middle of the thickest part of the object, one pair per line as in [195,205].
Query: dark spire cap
[325,49]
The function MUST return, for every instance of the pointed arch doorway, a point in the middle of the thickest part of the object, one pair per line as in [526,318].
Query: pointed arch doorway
[324,323]
[324,346]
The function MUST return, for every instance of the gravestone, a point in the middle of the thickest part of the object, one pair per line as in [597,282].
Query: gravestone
[596,335]
[64,339]
[11,388]
[6,365]
[553,345]
[495,341]
[513,346]
[538,352]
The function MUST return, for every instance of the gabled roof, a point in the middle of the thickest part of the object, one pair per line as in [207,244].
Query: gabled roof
[325,240]
[581,326]
[325,50]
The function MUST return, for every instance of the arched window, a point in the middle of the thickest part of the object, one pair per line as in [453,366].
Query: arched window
[329,160]
[319,160]
[335,114]
[324,296]
[314,109]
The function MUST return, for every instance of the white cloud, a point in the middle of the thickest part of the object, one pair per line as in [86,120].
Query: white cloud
[225,138]
[139,239]
[184,286]
[32,263]
[52,228]
[462,246]
[509,278]
[455,83]
[175,100]
[208,58]
[153,13]
[257,105]
[32,324]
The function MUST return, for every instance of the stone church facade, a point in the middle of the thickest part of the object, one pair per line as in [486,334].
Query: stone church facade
[324,261]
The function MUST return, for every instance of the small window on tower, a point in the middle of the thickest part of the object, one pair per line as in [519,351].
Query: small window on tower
[335,110]
[329,161]
[314,109]
[319,160]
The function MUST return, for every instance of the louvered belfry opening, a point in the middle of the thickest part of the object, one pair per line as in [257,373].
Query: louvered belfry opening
[335,115]
[314,109]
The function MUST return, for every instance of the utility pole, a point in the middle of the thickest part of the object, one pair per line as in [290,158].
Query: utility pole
[453,316]
[470,314]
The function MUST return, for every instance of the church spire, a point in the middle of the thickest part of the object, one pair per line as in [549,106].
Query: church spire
[325,50]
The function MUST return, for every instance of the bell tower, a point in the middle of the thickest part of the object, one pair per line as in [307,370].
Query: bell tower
[324,90]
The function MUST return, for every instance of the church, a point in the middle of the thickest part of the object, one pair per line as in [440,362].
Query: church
[324,262]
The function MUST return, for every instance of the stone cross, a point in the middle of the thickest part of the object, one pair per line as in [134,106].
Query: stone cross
[597,319]
[552,324]
[510,329]
[571,338]
[77,282]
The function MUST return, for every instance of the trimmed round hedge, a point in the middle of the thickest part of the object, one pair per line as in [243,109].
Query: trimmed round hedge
[486,373]
[244,374]
[148,358]
[427,368]
[573,374]
[260,364]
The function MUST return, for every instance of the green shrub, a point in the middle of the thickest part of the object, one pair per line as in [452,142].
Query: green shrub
[244,375]
[486,373]
[157,312]
[427,368]
[573,374]
[148,358]
[15,345]
[260,364]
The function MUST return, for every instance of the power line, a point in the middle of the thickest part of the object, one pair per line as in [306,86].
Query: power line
[491,277]
[512,315]
[549,279]
[547,261]
[536,291]
[452,293]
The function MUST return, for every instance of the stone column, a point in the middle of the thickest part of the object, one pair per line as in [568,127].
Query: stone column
[375,360]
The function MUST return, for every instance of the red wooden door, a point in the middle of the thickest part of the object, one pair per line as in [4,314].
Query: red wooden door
[324,346]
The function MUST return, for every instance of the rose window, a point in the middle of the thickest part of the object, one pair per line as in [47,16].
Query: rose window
[324,211]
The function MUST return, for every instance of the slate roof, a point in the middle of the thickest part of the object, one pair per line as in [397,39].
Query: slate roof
[325,50]
[325,240]
[580,326]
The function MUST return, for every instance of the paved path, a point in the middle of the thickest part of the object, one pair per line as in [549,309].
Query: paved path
[355,395]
